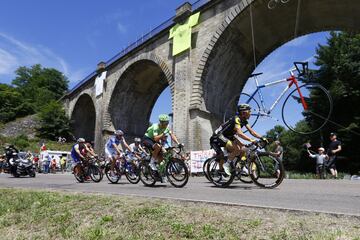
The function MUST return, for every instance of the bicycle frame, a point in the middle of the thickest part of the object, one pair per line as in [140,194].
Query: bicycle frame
[292,81]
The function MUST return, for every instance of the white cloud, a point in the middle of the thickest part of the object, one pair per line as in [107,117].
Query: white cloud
[8,62]
[122,28]
[19,53]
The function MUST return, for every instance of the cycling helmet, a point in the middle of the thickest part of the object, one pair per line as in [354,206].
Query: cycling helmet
[243,107]
[137,140]
[164,118]
[321,149]
[81,140]
[118,132]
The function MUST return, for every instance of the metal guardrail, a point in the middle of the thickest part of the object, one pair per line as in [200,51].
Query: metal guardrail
[196,5]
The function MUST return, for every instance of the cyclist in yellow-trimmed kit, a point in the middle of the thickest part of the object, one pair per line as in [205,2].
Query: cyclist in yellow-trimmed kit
[228,136]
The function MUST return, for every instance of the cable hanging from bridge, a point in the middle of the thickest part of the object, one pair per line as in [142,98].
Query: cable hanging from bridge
[253,36]
[297,19]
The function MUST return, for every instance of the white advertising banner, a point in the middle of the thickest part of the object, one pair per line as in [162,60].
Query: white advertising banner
[99,83]
[198,158]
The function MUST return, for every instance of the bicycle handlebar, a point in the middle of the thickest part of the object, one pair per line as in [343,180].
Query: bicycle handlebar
[255,74]
[302,68]
[174,148]
[259,143]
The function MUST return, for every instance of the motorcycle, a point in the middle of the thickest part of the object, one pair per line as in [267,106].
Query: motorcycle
[17,165]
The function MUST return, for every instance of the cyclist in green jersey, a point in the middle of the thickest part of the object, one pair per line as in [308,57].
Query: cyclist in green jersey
[154,134]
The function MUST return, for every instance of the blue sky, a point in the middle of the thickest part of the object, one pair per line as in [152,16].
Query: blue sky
[73,36]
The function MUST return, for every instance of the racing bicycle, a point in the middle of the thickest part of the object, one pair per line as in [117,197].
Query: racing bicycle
[305,110]
[173,168]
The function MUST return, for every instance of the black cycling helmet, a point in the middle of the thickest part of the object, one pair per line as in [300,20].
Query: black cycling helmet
[243,107]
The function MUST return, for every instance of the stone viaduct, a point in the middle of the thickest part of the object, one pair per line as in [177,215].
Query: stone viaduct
[203,79]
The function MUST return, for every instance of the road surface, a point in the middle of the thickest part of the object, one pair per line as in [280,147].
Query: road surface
[329,196]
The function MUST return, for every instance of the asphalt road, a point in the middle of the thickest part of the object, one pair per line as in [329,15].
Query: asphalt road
[329,196]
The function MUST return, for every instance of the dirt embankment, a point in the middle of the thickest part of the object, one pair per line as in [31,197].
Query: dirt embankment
[26,125]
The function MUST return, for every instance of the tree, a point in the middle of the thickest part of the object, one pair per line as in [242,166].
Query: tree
[40,85]
[339,72]
[12,104]
[53,121]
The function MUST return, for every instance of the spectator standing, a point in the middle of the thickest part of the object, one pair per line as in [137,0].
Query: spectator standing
[36,162]
[278,153]
[321,157]
[2,163]
[53,164]
[333,150]
[63,161]
[46,163]
[43,147]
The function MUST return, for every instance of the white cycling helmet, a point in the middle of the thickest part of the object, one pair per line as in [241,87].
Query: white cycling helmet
[81,140]
[118,132]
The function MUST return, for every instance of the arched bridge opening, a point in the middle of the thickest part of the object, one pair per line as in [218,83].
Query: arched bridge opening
[134,97]
[83,118]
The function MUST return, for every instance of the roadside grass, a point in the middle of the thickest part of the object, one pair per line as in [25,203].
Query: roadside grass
[34,214]
[298,175]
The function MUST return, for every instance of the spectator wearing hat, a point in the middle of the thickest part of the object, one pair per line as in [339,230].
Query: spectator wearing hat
[320,160]
[333,150]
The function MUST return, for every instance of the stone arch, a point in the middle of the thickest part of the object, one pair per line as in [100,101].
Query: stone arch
[232,42]
[83,117]
[138,86]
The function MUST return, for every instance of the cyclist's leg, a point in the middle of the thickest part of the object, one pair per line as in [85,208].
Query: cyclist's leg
[76,162]
[155,147]
[157,153]
[216,144]
[109,155]
[235,148]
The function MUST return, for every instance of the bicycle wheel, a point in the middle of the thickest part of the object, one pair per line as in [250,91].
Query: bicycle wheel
[242,171]
[218,177]
[205,168]
[266,171]
[78,174]
[115,177]
[132,173]
[231,108]
[177,172]
[146,175]
[319,107]
[95,173]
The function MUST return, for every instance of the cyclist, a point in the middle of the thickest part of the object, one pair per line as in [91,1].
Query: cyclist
[228,136]
[136,148]
[77,152]
[89,151]
[114,148]
[153,137]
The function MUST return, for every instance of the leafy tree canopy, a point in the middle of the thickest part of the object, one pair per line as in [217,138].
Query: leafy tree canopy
[40,85]
[53,121]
